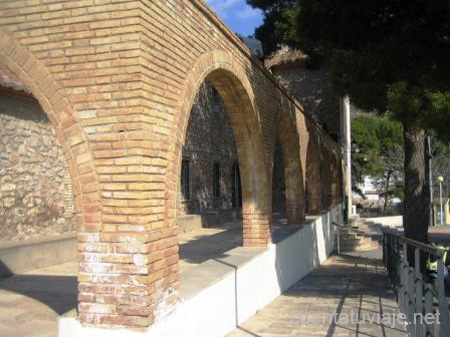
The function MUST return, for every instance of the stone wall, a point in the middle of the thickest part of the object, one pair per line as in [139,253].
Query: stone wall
[209,140]
[35,186]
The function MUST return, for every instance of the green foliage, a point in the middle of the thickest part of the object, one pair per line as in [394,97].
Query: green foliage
[364,131]
[271,5]
[441,166]
[387,55]
[377,140]
[378,153]
[280,23]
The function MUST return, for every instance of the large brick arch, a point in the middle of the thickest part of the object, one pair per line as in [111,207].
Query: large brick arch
[231,81]
[76,150]
[293,173]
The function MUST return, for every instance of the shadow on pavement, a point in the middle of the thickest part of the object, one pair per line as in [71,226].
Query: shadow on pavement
[57,292]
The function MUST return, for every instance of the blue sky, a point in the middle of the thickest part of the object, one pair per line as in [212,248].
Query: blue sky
[239,16]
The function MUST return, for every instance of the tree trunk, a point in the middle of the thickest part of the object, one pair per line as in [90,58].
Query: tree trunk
[417,190]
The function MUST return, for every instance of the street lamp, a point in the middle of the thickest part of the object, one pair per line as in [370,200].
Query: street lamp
[441,180]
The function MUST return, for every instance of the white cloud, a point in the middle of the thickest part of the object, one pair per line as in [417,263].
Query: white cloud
[222,4]
[247,13]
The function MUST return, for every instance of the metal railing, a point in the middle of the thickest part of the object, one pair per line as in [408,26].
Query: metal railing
[420,295]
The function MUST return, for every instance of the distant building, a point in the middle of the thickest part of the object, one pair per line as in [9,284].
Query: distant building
[370,194]
[312,87]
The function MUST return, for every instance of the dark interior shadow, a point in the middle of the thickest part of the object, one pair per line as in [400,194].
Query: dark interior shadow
[57,292]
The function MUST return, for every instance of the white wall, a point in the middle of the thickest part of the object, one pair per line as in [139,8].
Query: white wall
[389,221]
[243,288]
[20,256]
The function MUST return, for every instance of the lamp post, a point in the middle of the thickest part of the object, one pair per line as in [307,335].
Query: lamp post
[346,124]
[441,179]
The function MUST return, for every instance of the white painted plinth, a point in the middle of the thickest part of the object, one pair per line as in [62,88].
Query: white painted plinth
[219,294]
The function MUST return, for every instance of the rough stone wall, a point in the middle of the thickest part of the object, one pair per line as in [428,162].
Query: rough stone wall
[117,80]
[209,140]
[35,188]
[313,89]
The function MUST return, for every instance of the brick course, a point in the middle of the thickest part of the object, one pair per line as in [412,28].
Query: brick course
[117,80]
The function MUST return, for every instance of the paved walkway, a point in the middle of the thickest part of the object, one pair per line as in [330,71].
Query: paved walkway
[208,243]
[30,303]
[346,284]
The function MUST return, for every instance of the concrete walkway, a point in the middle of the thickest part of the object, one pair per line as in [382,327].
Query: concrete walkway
[348,285]
[30,303]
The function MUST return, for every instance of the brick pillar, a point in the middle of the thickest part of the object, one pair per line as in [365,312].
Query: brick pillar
[313,171]
[335,181]
[293,173]
[295,213]
[256,208]
[295,200]
[315,193]
[256,228]
[128,272]
[326,179]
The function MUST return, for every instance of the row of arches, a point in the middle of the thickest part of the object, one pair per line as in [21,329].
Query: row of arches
[116,231]
[256,167]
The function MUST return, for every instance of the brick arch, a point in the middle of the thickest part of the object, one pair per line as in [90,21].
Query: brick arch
[313,175]
[77,153]
[231,81]
[293,172]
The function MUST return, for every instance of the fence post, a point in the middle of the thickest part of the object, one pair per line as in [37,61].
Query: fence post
[419,291]
[443,305]
[417,294]
[404,282]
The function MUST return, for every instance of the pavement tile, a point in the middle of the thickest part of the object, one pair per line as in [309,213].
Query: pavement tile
[347,285]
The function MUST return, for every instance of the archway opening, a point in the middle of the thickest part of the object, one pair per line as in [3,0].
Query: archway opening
[37,198]
[287,182]
[222,172]
[210,199]
[38,241]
